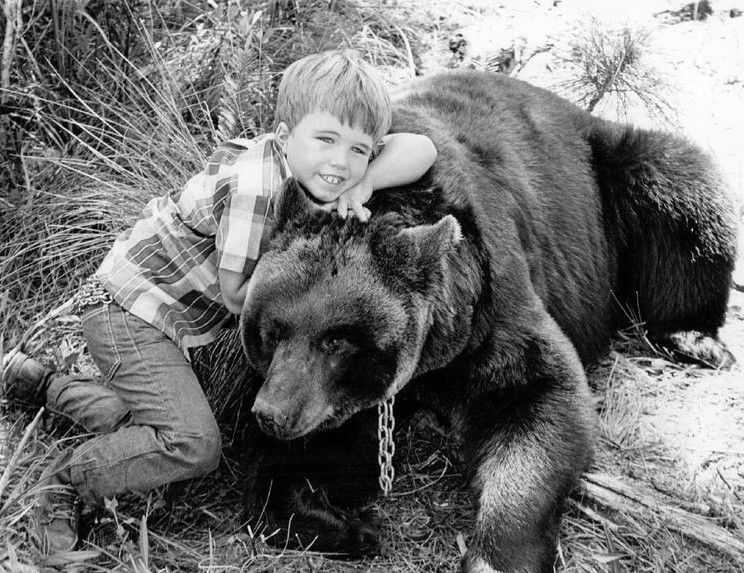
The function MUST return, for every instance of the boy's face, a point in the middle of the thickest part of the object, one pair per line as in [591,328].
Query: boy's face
[325,155]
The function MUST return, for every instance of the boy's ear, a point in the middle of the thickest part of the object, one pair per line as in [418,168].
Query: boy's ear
[282,134]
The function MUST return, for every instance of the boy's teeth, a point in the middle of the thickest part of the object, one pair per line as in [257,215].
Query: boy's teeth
[331,179]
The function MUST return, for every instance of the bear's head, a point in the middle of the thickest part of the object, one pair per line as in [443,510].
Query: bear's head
[336,312]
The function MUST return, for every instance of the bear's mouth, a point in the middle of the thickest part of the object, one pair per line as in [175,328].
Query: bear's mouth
[274,422]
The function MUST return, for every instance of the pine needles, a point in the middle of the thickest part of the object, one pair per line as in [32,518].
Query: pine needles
[611,65]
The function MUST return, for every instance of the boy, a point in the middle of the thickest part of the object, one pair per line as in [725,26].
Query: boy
[171,281]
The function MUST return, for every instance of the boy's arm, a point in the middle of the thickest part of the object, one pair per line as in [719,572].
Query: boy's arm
[404,158]
[233,286]
[248,174]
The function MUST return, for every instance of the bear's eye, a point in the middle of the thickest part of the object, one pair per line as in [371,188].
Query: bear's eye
[333,343]
[271,335]
[269,343]
[330,345]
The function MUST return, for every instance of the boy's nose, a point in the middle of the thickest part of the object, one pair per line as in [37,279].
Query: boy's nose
[339,159]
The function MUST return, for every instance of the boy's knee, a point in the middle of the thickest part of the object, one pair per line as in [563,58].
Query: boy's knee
[208,453]
[206,450]
[200,452]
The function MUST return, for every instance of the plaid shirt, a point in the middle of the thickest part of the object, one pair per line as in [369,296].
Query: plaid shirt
[164,269]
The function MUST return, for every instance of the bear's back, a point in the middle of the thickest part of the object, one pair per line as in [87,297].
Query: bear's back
[514,167]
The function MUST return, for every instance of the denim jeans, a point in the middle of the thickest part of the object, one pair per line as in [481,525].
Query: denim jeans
[152,417]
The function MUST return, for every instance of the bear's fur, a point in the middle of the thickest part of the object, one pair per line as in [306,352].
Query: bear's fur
[481,291]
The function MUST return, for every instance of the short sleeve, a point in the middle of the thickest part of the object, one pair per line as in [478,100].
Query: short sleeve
[247,186]
[240,231]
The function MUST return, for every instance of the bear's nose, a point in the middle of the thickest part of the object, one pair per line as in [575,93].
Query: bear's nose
[269,417]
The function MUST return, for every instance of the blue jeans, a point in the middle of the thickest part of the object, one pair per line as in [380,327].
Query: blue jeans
[152,417]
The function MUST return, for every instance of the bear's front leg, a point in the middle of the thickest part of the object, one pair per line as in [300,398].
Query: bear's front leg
[306,493]
[528,433]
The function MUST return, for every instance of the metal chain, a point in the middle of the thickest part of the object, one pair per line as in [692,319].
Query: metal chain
[385,427]
[90,292]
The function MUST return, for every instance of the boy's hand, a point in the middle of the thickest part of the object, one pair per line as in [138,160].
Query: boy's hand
[352,201]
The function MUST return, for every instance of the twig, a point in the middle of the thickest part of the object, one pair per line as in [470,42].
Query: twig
[13,23]
[595,515]
[522,62]
[26,435]
[409,52]
[728,485]
[36,328]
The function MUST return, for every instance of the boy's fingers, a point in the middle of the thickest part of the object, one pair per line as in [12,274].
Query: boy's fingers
[359,210]
[342,207]
[362,212]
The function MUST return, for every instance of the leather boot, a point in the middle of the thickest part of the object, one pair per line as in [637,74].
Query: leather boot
[23,379]
[57,512]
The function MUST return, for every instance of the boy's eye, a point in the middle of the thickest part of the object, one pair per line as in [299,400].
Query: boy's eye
[325,139]
[361,151]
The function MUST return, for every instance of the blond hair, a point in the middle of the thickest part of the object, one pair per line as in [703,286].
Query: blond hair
[338,82]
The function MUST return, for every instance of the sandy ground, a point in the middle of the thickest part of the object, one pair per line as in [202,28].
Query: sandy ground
[701,63]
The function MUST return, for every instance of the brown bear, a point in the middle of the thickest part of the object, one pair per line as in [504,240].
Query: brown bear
[480,291]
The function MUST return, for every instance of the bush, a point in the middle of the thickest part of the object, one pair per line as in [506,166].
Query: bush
[609,63]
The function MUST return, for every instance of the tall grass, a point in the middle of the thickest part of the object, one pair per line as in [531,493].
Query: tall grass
[111,104]
[129,112]
[103,143]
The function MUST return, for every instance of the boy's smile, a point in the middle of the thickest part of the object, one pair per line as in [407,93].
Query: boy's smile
[328,157]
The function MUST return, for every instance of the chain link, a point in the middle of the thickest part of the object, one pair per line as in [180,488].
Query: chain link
[90,292]
[385,427]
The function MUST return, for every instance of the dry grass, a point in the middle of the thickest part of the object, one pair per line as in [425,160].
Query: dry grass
[134,122]
[95,146]
[425,522]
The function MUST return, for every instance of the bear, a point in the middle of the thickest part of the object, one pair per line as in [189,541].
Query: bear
[481,292]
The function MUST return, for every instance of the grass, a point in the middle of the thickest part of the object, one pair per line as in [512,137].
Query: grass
[122,122]
[140,121]
[425,522]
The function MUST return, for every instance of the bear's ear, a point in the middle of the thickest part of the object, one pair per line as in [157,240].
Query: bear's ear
[292,202]
[433,242]
[414,254]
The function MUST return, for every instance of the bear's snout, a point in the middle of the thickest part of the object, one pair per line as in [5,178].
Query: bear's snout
[271,419]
